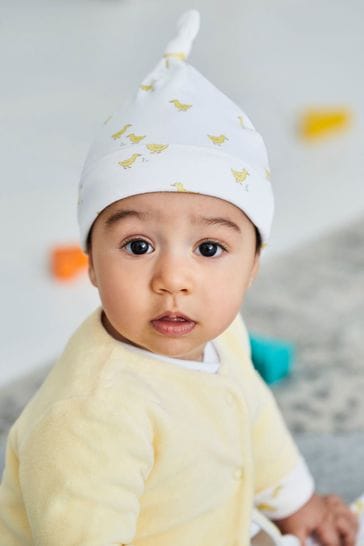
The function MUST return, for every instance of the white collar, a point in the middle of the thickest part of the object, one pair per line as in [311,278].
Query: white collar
[209,364]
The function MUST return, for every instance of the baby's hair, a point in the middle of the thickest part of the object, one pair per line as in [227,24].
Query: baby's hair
[258,241]
[88,240]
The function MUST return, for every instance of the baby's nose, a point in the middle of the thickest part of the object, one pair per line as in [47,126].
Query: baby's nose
[173,274]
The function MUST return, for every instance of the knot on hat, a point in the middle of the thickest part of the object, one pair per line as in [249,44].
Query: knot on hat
[177,51]
[188,26]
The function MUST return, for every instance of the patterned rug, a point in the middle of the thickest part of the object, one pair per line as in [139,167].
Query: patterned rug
[314,298]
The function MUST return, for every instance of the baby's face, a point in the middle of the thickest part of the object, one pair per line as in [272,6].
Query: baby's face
[171,269]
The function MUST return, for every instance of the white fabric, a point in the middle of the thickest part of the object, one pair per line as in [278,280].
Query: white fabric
[259,522]
[289,495]
[179,133]
[209,364]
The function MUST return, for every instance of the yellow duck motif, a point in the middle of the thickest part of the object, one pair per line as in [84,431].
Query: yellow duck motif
[180,106]
[267,174]
[144,87]
[127,163]
[218,139]
[179,186]
[241,119]
[157,148]
[180,55]
[134,138]
[264,506]
[121,132]
[240,176]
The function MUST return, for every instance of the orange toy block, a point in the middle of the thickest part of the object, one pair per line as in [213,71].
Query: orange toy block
[67,261]
[320,122]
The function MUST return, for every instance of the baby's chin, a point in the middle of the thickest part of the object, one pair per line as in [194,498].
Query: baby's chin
[175,348]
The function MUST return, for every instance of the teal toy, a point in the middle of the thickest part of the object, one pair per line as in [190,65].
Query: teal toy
[272,358]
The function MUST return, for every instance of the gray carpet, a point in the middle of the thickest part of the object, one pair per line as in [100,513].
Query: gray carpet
[314,298]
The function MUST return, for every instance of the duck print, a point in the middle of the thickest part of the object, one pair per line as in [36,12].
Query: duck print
[241,119]
[134,138]
[218,139]
[240,176]
[267,174]
[180,106]
[127,163]
[121,132]
[179,186]
[157,148]
[144,87]
[266,507]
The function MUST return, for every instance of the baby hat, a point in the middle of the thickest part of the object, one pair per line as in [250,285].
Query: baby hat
[179,133]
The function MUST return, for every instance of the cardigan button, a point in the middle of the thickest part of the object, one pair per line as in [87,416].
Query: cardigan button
[238,473]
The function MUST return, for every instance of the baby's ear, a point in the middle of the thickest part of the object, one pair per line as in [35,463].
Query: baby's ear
[255,268]
[91,269]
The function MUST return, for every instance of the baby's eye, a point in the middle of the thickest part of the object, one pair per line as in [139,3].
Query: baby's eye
[138,246]
[209,249]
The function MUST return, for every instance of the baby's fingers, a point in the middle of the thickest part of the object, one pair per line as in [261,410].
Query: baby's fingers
[327,535]
[348,528]
[346,522]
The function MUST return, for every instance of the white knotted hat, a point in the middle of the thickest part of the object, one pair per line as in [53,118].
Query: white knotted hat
[179,133]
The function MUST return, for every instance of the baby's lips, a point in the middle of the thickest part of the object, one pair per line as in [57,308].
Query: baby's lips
[173,315]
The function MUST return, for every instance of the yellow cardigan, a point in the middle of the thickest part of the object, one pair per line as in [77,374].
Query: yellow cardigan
[116,448]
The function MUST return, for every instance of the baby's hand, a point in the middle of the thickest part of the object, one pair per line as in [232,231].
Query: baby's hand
[327,518]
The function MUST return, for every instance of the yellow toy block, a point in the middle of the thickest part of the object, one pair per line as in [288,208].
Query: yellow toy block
[320,122]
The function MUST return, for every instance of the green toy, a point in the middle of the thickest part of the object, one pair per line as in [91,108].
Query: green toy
[272,358]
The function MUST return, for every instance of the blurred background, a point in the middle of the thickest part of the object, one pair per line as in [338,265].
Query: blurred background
[67,65]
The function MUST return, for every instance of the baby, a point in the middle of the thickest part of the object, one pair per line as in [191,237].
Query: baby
[153,428]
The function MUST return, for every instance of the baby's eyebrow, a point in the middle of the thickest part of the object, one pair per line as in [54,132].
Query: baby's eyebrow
[125,213]
[207,220]
[213,221]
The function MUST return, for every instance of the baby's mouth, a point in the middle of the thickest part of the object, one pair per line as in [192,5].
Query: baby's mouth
[173,324]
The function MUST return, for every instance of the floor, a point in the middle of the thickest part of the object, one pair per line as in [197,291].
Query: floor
[312,297]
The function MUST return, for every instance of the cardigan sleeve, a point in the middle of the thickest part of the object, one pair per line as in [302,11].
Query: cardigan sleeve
[274,450]
[82,473]
[287,496]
